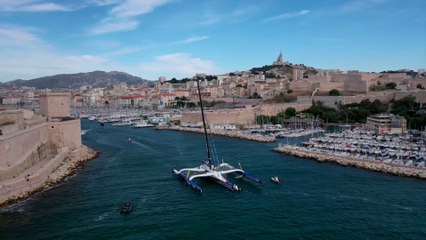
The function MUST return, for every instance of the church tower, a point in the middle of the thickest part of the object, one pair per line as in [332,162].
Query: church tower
[279,61]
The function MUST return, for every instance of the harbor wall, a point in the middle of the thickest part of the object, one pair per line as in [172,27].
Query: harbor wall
[31,156]
[65,133]
[225,133]
[383,96]
[274,109]
[419,94]
[15,147]
[223,116]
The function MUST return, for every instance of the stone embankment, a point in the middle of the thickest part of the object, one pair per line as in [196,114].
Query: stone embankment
[38,178]
[230,133]
[355,162]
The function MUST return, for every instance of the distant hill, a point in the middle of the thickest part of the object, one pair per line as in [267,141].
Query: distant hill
[74,81]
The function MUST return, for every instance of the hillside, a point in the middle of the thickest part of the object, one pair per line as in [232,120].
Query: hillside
[282,71]
[74,81]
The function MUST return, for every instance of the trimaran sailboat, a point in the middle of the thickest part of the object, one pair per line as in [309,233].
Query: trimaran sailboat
[208,169]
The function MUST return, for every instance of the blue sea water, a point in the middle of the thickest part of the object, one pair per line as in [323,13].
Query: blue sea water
[317,200]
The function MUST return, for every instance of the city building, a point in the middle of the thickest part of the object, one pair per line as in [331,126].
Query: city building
[386,123]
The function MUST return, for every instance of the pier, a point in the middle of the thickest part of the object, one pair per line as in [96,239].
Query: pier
[226,133]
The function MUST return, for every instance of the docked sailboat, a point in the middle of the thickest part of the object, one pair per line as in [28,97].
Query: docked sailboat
[208,169]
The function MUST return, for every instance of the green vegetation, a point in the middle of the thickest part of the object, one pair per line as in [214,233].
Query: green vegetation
[270,75]
[289,112]
[419,86]
[380,87]
[191,105]
[410,73]
[356,112]
[181,102]
[185,80]
[334,92]
[409,108]
[262,69]
[278,119]
[349,113]
[210,104]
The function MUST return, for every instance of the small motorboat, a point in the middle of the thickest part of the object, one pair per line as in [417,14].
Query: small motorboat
[276,180]
[130,140]
[126,209]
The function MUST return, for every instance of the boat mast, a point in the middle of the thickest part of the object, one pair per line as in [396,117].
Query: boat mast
[204,122]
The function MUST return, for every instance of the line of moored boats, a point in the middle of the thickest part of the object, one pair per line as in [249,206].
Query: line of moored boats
[391,148]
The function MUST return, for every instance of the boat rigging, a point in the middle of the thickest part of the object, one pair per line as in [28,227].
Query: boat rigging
[208,169]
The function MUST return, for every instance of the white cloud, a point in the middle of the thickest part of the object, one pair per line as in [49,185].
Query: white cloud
[121,16]
[16,36]
[288,15]
[132,8]
[113,25]
[25,55]
[44,7]
[31,6]
[192,39]
[179,65]
[211,18]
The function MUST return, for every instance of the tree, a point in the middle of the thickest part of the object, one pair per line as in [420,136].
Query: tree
[419,86]
[390,85]
[334,92]
[377,107]
[190,105]
[290,112]
[263,119]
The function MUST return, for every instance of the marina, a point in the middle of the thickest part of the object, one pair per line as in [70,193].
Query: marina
[398,154]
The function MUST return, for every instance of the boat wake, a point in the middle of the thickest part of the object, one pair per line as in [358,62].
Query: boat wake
[101,217]
[406,208]
[140,144]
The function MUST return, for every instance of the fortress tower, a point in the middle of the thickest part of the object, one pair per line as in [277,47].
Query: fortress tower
[55,105]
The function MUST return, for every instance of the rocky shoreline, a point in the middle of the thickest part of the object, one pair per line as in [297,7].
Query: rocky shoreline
[66,168]
[355,162]
[232,134]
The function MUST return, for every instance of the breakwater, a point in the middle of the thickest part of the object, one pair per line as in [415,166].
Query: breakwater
[399,170]
[232,133]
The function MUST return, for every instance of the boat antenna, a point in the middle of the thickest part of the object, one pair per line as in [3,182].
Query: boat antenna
[197,78]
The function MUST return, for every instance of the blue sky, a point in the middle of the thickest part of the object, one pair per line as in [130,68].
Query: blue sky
[177,38]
